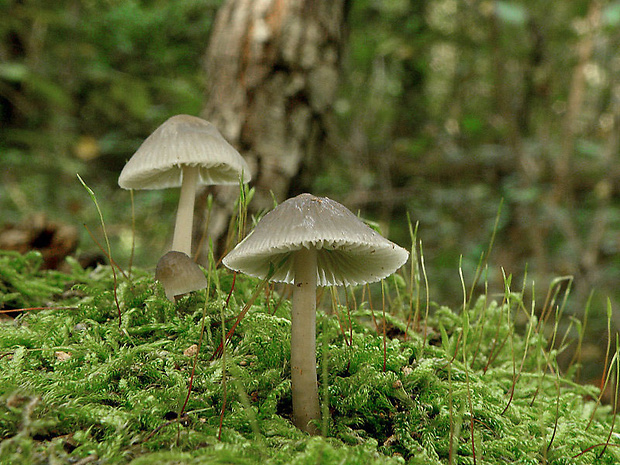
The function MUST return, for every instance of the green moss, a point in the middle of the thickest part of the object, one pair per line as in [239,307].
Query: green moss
[75,385]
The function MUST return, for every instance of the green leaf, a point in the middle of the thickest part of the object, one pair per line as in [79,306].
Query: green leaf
[611,14]
[14,72]
[510,12]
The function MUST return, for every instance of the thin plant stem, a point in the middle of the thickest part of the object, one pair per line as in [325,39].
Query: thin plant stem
[607,349]
[493,352]
[557,411]
[582,330]
[353,298]
[200,338]
[615,410]
[468,382]
[224,385]
[481,324]
[224,365]
[384,325]
[246,196]
[205,229]
[601,444]
[462,278]
[414,280]
[606,368]
[560,311]
[484,257]
[372,312]
[30,309]
[451,415]
[336,308]
[271,290]
[525,352]
[133,232]
[349,321]
[516,373]
[105,252]
[219,350]
[552,293]
[510,325]
[107,241]
[396,291]
[325,379]
[235,373]
[428,296]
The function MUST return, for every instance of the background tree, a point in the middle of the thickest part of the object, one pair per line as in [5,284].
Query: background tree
[272,73]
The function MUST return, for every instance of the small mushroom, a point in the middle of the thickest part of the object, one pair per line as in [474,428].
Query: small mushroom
[312,241]
[179,274]
[184,151]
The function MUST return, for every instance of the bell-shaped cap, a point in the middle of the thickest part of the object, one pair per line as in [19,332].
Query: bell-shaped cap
[183,140]
[179,274]
[348,251]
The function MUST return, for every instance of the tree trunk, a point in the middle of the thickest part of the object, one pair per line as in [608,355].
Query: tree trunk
[272,69]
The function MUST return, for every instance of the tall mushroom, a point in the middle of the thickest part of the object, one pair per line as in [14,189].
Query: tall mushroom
[184,151]
[312,241]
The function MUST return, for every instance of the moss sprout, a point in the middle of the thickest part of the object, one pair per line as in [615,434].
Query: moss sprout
[75,386]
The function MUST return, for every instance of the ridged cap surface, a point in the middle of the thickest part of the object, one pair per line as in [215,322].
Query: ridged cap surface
[349,252]
[179,274]
[183,140]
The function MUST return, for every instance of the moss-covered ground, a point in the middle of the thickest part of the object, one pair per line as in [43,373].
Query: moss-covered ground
[461,387]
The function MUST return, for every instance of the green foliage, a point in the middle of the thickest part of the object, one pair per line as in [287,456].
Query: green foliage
[449,107]
[82,84]
[23,284]
[75,385]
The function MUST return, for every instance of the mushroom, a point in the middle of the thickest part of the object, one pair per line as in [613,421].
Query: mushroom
[312,241]
[179,274]
[184,151]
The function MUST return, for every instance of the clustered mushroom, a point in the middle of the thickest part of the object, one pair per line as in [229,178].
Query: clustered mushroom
[185,151]
[306,241]
[312,241]
[179,274]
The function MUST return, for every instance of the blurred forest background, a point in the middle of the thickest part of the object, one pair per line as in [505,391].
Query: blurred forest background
[445,110]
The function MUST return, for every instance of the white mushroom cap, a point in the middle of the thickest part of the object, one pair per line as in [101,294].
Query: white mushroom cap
[183,140]
[349,252]
[179,274]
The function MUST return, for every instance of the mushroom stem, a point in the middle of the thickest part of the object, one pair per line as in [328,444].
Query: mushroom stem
[182,239]
[303,342]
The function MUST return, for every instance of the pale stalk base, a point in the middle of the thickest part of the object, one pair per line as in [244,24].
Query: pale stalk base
[303,343]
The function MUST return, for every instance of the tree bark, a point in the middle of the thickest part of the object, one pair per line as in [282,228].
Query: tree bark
[272,68]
